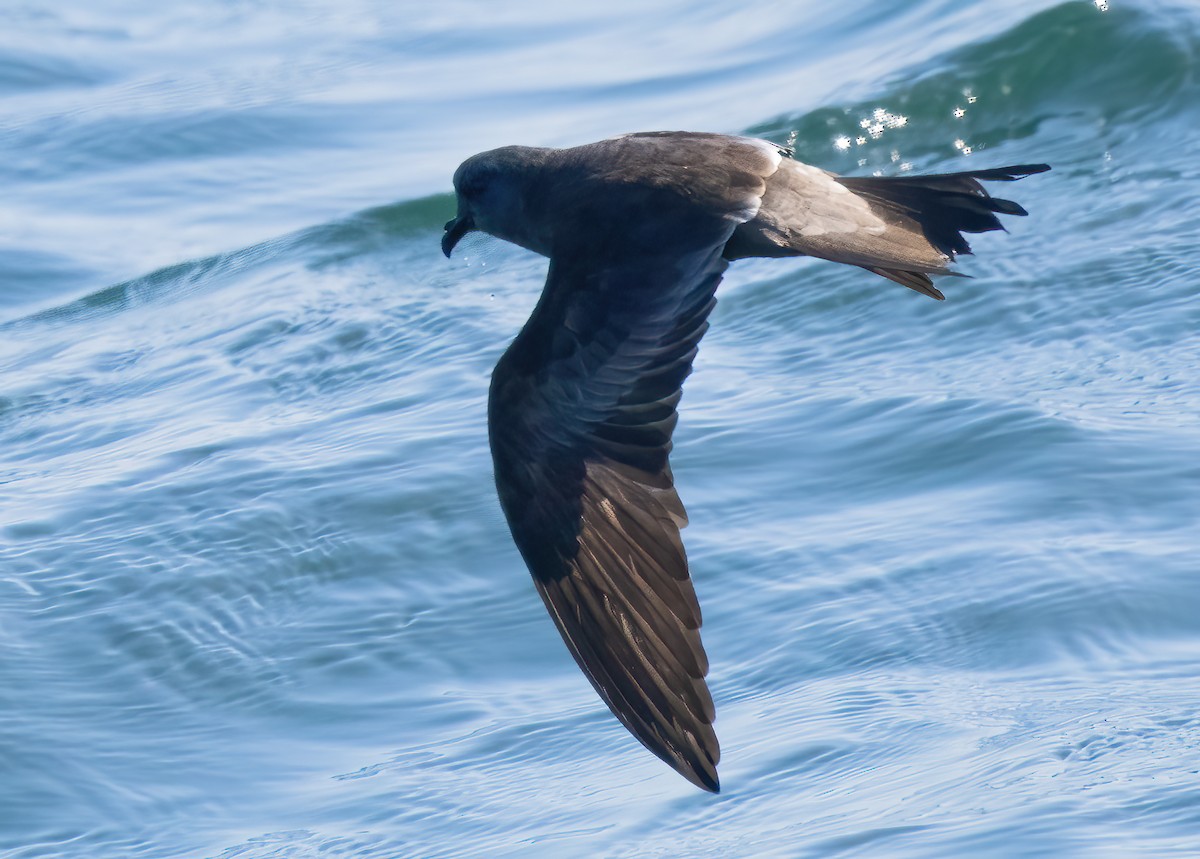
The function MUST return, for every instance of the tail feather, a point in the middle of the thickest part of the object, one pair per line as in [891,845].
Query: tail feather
[917,280]
[944,205]
[904,228]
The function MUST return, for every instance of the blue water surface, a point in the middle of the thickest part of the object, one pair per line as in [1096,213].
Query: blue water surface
[257,598]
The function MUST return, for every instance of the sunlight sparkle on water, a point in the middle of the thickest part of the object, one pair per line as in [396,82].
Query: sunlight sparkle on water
[874,125]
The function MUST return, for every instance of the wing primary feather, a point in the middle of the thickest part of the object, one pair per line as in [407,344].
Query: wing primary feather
[581,435]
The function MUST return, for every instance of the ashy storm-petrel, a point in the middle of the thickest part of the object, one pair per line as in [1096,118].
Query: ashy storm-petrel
[582,406]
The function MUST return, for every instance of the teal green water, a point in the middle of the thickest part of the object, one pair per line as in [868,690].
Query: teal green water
[257,598]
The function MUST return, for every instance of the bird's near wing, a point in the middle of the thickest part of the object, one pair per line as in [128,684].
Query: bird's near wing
[580,415]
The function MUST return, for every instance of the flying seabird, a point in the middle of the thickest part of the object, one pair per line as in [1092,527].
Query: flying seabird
[639,230]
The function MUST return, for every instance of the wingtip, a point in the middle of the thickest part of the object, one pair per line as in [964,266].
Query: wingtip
[702,775]
[703,780]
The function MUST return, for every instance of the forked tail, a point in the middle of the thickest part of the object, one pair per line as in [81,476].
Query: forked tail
[941,207]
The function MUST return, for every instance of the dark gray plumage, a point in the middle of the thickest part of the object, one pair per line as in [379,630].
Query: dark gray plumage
[639,230]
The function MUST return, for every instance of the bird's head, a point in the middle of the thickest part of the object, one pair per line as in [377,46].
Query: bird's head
[494,191]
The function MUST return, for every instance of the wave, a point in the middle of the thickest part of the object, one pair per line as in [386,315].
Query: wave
[987,94]
[359,234]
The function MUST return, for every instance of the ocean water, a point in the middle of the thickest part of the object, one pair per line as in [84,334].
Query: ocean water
[257,598]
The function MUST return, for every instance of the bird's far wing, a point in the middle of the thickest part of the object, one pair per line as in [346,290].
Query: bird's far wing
[581,413]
